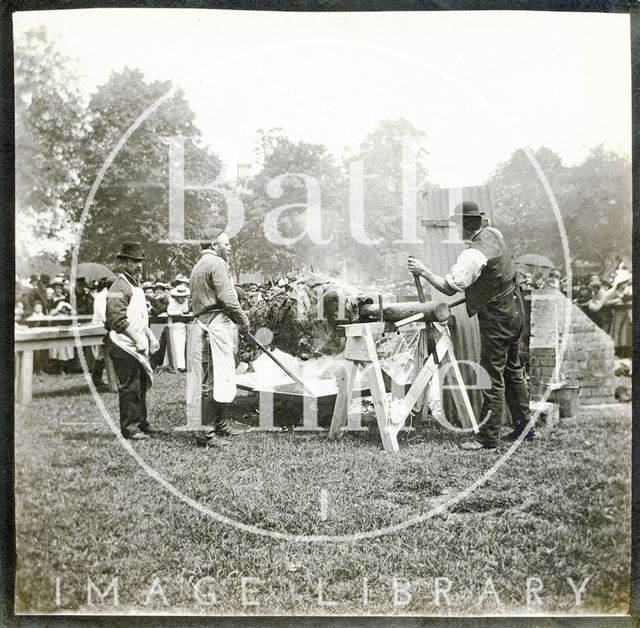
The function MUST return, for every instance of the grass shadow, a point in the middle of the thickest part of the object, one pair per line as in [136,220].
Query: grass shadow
[72,391]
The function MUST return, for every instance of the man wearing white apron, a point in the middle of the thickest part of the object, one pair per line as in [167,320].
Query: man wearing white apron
[99,318]
[217,311]
[129,342]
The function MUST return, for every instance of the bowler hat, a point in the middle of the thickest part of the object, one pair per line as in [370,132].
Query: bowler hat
[466,209]
[131,250]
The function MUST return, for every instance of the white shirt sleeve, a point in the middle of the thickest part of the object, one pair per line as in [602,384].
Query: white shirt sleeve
[466,270]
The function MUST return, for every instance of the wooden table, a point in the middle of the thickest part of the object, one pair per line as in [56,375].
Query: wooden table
[39,338]
[57,321]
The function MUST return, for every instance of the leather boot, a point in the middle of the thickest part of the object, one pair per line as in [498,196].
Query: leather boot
[208,418]
[221,427]
[210,439]
[96,375]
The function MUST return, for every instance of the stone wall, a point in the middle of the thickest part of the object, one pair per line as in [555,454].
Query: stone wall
[588,358]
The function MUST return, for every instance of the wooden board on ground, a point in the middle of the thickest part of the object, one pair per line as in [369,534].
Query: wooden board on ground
[285,403]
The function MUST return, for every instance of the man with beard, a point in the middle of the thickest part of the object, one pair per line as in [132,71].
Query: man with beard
[130,341]
[217,311]
[486,274]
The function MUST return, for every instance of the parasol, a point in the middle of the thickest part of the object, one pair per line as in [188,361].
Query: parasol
[92,271]
[532,259]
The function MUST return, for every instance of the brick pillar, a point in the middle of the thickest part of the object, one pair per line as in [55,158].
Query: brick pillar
[588,357]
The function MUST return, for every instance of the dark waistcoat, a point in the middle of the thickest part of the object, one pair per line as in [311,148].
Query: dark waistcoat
[497,278]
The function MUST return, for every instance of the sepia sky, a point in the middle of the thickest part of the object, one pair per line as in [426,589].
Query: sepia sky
[480,84]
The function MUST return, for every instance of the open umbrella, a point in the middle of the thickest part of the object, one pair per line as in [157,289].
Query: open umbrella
[92,271]
[532,259]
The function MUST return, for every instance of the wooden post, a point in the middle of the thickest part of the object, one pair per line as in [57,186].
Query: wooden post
[378,395]
[360,348]
[460,395]
[345,380]
[169,356]
[25,377]
[266,410]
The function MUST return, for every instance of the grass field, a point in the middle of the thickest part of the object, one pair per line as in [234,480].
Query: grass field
[86,512]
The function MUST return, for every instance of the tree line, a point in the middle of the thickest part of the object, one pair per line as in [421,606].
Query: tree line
[62,141]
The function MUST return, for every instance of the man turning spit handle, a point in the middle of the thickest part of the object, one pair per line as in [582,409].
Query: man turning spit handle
[486,274]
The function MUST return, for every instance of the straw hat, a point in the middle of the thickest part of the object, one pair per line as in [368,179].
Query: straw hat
[180,291]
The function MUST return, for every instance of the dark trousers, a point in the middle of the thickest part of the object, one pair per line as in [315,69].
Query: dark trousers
[501,326]
[157,359]
[132,391]
[97,371]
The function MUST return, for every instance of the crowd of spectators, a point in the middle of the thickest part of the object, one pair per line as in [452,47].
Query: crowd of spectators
[605,298]
[43,296]
[43,300]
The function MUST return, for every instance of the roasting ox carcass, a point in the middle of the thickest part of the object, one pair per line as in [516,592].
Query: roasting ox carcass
[303,318]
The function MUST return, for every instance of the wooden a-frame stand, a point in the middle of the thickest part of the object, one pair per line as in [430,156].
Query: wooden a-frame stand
[360,349]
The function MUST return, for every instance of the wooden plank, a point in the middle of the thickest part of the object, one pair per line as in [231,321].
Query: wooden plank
[48,338]
[460,395]
[359,329]
[57,321]
[442,247]
[346,380]
[54,333]
[357,353]
[378,395]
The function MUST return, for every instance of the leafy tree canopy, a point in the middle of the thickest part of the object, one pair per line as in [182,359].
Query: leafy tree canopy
[50,123]
[132,201]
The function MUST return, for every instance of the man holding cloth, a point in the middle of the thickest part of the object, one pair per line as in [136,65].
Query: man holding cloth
[129,342]
[217,311]
[486,274]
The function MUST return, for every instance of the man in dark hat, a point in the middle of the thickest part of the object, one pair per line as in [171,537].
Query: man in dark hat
[130,341]
[486,274]
[216,308]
